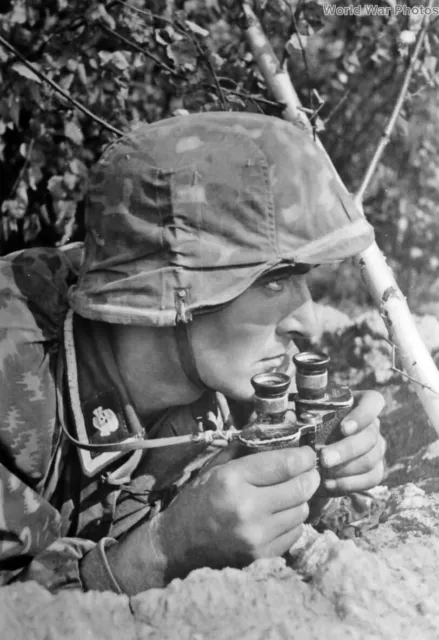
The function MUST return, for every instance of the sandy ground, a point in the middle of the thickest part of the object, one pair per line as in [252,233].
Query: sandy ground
[371,573]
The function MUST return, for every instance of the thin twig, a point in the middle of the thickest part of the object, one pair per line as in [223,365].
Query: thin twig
[303,53]
[403,373]
[246,95]
[421,89]
[205,58]
[395,113]
[146,13]
[137,47]
[23,169]
[305,62]
[337,107]
[315,112]
[58,89]
[249,96]
[210,68]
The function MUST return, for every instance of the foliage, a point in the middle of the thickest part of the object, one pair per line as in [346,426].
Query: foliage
[139,60]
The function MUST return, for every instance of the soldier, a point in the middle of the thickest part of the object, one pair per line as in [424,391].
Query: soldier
[199,233]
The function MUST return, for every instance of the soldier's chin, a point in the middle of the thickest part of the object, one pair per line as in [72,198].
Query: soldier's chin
[242,394]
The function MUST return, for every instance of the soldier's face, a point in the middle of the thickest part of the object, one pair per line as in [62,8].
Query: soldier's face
[253,334]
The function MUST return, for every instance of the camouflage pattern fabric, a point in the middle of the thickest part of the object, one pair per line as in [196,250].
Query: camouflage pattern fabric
[33,301]
[51,515]
[203,205]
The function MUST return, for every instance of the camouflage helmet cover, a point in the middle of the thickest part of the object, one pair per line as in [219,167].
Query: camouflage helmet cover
[204,204]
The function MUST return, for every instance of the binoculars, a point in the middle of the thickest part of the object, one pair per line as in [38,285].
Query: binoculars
[318,405]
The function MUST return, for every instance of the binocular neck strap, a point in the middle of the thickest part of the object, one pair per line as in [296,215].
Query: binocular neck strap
[183,339]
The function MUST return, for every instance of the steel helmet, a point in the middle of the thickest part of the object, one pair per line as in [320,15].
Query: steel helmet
[186,213]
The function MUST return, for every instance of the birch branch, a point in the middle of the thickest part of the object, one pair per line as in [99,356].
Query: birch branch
[415,357]
[395,112]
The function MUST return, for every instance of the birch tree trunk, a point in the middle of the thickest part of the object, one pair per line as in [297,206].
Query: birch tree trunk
[377,275]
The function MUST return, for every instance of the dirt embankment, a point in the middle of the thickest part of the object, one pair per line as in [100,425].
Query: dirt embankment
[377,578]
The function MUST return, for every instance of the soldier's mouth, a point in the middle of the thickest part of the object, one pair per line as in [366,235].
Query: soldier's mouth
[279,363]
[276,361]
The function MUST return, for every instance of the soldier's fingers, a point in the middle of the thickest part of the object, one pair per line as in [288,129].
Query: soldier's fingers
[282,543]
[223,455]
[368,405]
[273,467]
[294,492]
[346,485]
[350,448]
[360,465]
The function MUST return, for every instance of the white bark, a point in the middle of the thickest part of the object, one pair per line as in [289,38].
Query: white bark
[376,273]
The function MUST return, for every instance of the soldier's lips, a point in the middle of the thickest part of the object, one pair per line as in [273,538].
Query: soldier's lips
[282,358]
[277,361]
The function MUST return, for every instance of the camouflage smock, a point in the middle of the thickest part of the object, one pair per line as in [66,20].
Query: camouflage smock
[52,514]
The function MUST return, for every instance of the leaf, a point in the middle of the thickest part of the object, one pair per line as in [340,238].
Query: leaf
[167,35]
[119,61]
[232,99]
[70,180]
[71,65]
[77,167]
[180,112]
[402,126]
[296,44]
[25,72]
[73,132]
[159,39]
[82,74]
[14,110]
[216,61]
[105,57]
[430,63]
[319,124]
[57,187]
[183,54]
[98,13]
[19,13]
[406,38]
[31,227]
[66,82]
[16,208]
[34,175]
[314,15]
[64,210]
[195,28]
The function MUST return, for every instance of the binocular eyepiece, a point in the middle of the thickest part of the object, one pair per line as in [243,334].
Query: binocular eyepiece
[311,374]
[271,395]
[270,385]
[311,378]
[319,406]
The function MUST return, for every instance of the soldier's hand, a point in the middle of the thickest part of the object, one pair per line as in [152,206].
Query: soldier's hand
[356,462]
[238,511]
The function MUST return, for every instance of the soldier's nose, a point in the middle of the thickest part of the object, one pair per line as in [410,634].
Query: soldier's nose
[302,321]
